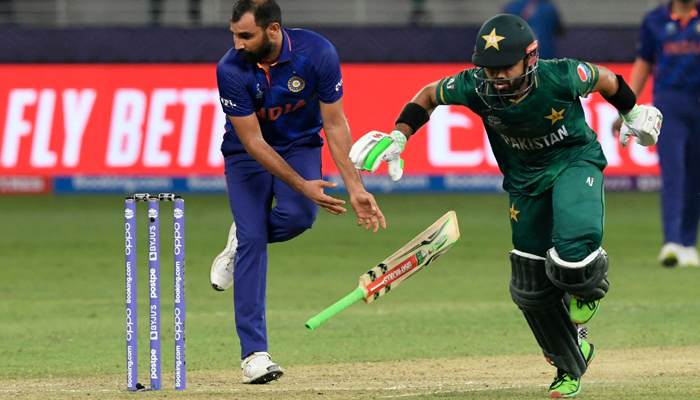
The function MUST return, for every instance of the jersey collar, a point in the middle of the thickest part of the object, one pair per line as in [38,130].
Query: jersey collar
[684,22]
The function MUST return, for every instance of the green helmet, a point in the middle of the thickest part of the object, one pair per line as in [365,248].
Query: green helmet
[502,41]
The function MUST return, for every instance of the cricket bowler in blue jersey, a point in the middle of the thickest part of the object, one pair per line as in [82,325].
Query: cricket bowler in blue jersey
[669,45]
[279,88]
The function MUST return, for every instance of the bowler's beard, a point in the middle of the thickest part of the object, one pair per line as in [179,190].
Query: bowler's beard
[254,57]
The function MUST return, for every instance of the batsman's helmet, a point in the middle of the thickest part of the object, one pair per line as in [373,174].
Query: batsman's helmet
[501,42]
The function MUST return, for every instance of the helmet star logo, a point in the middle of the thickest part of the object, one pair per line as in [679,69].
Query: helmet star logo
[492,40]
[556,116]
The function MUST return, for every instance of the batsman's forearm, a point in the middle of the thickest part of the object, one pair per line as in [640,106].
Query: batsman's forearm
[424,98]
[273,163]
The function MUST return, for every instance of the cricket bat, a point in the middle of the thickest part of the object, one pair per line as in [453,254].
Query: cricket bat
[388,274]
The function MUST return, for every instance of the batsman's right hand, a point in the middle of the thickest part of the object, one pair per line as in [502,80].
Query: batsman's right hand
[642,122]
[373,148]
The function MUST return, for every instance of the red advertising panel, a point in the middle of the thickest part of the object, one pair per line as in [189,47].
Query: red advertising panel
[166,120]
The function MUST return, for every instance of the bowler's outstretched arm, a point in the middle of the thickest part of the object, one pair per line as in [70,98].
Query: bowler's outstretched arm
[248,130]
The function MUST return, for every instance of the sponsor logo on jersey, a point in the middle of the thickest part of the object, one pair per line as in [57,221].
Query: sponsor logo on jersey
[296,84]
[226,102]
[495,122]
[338,85]
[590,180]
[670,28]
[258,92]
[451,83]
[583,72]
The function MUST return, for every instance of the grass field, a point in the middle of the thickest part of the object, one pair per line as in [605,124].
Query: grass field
[451,331]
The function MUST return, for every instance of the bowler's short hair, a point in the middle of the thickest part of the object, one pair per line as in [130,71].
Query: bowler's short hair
[265,12]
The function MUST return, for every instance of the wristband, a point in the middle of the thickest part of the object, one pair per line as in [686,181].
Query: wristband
[413,115]
[624,99]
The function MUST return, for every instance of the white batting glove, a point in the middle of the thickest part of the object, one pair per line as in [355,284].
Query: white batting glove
[642,122]
[373,148]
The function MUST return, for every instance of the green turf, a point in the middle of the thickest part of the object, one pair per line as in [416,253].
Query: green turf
[62,286]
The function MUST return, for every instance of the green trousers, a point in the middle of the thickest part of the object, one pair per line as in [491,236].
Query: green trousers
[569,216]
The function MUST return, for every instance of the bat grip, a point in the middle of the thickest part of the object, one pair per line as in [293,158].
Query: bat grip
[340,305]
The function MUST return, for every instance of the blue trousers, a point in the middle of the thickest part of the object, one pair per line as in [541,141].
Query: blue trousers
[679,159]
[251,189]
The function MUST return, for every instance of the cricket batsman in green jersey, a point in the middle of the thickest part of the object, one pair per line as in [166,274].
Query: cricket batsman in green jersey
[553,171]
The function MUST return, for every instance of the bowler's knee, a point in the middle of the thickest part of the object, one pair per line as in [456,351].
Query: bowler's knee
[302,222]
[298,222]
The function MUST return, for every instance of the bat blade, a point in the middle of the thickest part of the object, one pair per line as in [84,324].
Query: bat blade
[411,258]
[404,263]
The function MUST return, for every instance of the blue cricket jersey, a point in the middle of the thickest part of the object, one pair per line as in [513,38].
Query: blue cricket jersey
[286,100]
[543,18]
[674,47]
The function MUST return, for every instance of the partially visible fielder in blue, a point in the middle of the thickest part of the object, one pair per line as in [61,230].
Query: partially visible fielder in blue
[669,46]
[544,20]
[278,88]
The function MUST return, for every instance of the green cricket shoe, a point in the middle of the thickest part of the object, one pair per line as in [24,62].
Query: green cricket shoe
[566,386]
[582,311]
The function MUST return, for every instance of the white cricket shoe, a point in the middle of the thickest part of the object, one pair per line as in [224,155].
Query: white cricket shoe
[688,257]
[259,368]
[221,273]
[669,254]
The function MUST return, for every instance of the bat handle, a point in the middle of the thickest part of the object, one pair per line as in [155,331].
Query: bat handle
[339,306]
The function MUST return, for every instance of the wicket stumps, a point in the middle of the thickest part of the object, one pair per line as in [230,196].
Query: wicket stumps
[154,333]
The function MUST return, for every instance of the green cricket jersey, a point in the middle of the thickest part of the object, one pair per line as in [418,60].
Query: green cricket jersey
[535,140]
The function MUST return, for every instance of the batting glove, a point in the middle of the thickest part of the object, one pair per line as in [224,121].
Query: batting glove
[642,122]
[373,148]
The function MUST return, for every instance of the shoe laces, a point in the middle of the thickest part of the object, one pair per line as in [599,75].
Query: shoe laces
[562,377]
